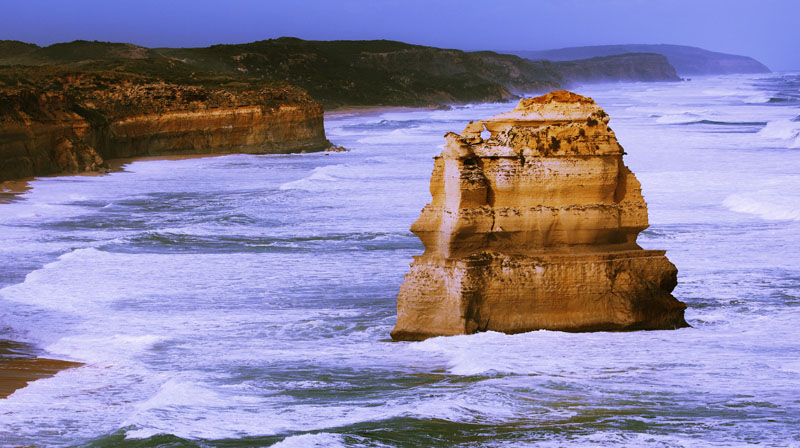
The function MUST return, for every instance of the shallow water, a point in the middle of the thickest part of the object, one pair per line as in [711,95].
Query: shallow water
[246,300]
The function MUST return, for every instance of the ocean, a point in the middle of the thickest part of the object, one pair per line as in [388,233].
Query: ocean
[246,300]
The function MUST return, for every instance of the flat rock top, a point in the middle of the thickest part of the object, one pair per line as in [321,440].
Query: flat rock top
[556,96]
[559,105]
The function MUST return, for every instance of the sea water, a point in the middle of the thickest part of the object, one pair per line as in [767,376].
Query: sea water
[246,300]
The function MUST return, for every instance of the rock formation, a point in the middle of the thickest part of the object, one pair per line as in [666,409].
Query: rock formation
[77,121]
[534,227]
[628,67]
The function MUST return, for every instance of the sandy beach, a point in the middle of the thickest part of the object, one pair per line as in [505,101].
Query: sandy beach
[18,367]
[16,374]
[10,189]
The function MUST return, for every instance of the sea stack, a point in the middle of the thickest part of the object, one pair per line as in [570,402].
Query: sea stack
[534,227]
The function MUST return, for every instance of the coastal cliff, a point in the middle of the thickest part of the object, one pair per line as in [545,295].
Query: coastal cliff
[688,61]
[534,227]
[74,122]
[352,73]
[645,67]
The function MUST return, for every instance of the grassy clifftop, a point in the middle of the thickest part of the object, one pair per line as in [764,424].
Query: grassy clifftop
[337,73]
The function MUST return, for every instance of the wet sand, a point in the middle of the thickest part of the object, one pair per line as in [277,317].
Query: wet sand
[17,373]
[10,189]
[19,365]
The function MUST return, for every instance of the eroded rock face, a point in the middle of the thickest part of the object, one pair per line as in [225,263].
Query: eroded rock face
[535,228]
[91,119]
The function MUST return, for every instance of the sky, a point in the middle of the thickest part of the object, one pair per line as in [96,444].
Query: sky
[764,29]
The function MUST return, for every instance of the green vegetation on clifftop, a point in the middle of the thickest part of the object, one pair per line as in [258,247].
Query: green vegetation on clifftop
[340,73]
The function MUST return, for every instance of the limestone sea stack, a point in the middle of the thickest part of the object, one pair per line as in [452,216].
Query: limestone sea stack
[534,227]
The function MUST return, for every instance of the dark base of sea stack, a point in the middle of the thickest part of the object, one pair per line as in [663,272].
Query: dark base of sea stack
[618,291]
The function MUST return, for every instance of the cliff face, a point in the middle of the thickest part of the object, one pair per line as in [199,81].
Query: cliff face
[626,67]
[535,227]
[77,121]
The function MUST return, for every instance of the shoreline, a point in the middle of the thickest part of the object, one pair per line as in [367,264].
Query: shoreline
[20,365]
[11,189]
[16,374]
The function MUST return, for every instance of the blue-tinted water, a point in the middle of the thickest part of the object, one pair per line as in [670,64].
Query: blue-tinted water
[246,300]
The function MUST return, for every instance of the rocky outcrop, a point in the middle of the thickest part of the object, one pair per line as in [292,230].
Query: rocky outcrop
[644,67]
[85,119]
[534,226]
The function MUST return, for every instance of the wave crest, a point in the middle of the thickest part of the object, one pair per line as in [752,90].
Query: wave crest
[764,209]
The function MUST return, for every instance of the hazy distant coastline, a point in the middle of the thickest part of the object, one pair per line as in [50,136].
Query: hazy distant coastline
[688,61]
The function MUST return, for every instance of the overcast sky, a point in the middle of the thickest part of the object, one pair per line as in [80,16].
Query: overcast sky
[767,30]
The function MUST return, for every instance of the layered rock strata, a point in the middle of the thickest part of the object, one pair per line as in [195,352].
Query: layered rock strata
[86,120]
[534,227]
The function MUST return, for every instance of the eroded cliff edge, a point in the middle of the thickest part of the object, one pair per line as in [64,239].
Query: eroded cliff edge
[70,123]
[535,227]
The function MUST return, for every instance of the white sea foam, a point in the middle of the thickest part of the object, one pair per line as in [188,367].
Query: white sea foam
[784,132]
[326,177]
[724,93]
[45,287]
[633,439]
[322,439]
[103,349]
[780,130]
[403,136]
[758,98]
[242,418]
[765,206]
[682,117]
[210,346]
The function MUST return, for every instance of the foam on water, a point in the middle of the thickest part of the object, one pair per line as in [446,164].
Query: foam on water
[682,117]
[322,440]
[103,349]
[250,297]
[766,206]
[330,176]
[780,130]
[403,136]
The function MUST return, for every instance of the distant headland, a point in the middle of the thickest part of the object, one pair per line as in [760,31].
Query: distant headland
[688,61]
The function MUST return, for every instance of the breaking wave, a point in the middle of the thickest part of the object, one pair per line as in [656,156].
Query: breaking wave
[784,132]
[764,209]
